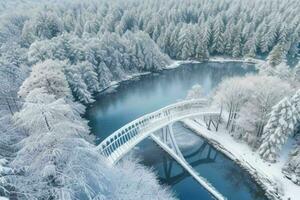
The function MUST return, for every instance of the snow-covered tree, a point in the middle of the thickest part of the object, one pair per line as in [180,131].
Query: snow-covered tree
[250,47]
[196,92]
[104,75]
[13,68]
[237,46]
[201,51]
[228,38]
[283,71]
[147,53]
[64,165]
[77,84]
[264,93]
[48,75]
[218,40]
[296,73]
[232,94]
[295,101]
[44,25]
[89,76]
[292,167]
[186,43]
[280,125]
[277,55]
[52,122]
[269,38]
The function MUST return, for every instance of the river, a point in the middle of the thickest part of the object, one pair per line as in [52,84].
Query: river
[134,98]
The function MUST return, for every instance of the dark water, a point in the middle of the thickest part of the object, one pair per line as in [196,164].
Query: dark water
[133,99]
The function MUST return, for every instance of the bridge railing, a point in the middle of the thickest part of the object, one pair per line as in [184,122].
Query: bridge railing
[146,122]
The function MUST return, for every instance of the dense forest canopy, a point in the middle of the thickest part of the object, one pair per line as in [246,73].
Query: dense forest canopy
[119,37]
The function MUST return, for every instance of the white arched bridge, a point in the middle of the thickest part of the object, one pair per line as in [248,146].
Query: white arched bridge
[158,126]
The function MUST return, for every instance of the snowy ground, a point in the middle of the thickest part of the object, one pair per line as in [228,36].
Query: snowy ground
[115,84]
[228,59]
[268,175]
[177,63]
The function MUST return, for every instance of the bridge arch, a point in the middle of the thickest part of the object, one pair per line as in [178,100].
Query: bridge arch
[114,147]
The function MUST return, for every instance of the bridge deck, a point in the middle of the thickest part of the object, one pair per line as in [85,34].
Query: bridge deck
[124,139]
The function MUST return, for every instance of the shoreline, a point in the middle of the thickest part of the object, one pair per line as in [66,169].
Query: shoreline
[218,59]
[115,84]
[177,63]
[276,187]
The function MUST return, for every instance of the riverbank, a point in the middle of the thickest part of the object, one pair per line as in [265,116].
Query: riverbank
[219,59]
[269,176]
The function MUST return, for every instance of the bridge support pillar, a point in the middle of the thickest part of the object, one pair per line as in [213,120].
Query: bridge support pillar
[168,138]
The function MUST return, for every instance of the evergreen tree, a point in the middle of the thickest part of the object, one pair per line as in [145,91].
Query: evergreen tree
[296,73]
[283,71]
[277,55]
[249,49]
[295,101]
[228,39]
[269,38]
[175,48]
[48,75]
[237,48]
[89,76]
[202,52]
[292,167]
[186,43]
[104,75]
[237,42]
[164,41]
[77,84]
[283,34]
[280,125]
[201,42]
[218,40]
[47,25]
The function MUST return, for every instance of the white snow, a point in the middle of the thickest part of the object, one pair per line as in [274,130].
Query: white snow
[220,59]
[115,84]
[268,175]
[177,63]
[3,161]
[3,169]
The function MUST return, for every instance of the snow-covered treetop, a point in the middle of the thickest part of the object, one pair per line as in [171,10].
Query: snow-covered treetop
[195,93]
[48,75]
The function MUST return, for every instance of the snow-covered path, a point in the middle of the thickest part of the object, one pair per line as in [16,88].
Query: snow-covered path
[268,175]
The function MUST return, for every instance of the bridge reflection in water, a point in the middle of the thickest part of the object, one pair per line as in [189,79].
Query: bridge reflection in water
[205,154]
